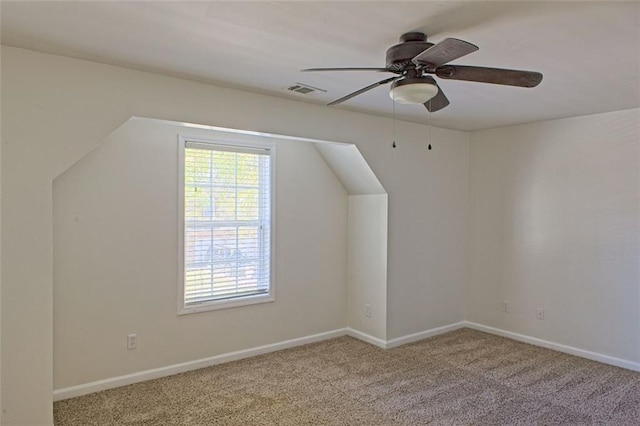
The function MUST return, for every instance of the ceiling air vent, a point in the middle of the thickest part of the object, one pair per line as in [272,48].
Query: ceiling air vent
[304,89]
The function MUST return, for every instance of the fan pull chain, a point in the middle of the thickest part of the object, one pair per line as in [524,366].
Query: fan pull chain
[393,145]
[429,115]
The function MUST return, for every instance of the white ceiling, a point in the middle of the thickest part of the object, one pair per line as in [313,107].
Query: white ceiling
[589,52]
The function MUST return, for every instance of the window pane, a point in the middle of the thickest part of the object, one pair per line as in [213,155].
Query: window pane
[224,199]
[247,169]
[227,224]
[248,204]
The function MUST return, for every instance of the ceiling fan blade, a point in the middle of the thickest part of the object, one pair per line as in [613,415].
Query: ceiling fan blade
[347,69]
[445,51]
[438,102]
[490,75]
[364,89]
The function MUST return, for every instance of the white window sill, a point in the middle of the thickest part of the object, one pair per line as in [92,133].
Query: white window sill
[226,304]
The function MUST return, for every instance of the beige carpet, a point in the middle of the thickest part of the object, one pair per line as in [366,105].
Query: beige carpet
[460,378]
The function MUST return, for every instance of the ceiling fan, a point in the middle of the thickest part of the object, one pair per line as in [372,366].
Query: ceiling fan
[414,58]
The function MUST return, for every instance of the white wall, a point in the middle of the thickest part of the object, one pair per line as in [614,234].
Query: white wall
[367,241]
[115,259]
[350,168]
[427,232]
[555,223]
[56,110]
[367,264]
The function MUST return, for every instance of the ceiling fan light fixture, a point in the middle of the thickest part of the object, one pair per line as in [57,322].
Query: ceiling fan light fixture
[413,90]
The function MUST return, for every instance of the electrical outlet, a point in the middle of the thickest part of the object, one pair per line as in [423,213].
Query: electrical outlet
[505,306]
[132,341]
[540,313]
[367,310]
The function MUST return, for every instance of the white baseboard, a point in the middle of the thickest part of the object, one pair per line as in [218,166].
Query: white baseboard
[114,382]
[366,338]
[410,338]
[606,359]
[403,340]
[156,373]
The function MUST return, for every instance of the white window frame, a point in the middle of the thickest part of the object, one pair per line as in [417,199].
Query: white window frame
[251,143]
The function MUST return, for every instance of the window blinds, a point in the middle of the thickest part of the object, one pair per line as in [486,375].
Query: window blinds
[227,220]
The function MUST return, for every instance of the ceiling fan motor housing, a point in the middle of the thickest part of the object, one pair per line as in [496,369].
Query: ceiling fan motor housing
[411,44]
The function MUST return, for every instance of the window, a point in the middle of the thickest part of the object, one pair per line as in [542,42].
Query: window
[227,224]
